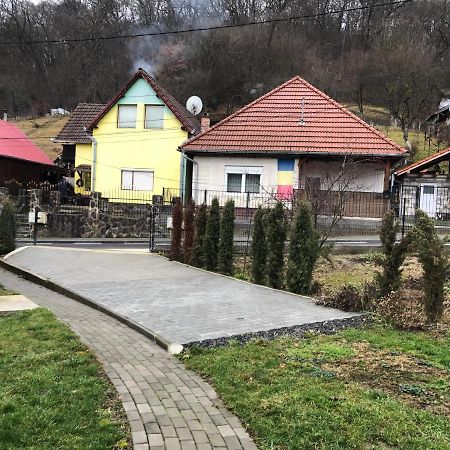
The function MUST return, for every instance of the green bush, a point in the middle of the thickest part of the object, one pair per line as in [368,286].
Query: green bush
[177,230]
[275,238]
[435,265]
[197,258]
[304,250]
[7,228]
[188,231]
[259,250]
[226,245]
[393,255]
[212,235]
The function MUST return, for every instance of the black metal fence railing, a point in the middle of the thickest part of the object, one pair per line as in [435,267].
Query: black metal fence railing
[143,214]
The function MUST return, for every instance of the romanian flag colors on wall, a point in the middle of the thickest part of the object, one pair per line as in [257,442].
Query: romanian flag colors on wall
[285,178]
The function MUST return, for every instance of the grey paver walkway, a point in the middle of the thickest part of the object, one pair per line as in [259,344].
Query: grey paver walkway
[168,407]
[180,303]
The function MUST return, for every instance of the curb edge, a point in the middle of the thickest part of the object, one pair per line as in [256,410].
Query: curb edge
[170,347]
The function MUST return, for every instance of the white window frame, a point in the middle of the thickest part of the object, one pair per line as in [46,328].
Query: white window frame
[133,171]
[126,122]
[244,171]
[158,121]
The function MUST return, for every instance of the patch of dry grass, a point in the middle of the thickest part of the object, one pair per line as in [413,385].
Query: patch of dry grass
[41,129]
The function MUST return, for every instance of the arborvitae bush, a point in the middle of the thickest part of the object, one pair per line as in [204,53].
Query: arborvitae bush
[7,228]
[212,235]
[304,250]
[275,238]
[197,258]
[259,250]
[226,245]
[435,265]
[188,231]
[393,255]
[177,231]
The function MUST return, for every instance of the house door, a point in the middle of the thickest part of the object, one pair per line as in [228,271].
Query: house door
[428,199]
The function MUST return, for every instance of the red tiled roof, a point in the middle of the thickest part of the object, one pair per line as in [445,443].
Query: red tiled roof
[270,124]
[74,130]
[424,163]
[14,143]
[188,120]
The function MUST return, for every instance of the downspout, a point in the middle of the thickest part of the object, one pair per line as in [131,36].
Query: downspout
[94,160]
[193,161]
[94,163]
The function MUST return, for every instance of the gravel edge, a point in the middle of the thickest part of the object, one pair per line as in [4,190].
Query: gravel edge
[326,327]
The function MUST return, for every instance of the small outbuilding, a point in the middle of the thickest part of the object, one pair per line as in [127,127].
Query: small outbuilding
[425,184]
[22,161]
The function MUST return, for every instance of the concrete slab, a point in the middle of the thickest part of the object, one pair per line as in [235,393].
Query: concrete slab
[10,303]
[180,303]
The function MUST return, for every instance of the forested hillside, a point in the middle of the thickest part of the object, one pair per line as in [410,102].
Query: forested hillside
[388,53]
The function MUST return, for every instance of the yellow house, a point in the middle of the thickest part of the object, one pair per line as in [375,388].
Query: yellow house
[132,142]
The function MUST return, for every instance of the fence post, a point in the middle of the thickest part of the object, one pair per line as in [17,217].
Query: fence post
[205,197]
[35,225]
[403,216]
[152,229]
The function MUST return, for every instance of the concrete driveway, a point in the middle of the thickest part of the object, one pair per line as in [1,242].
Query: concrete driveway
[180,303]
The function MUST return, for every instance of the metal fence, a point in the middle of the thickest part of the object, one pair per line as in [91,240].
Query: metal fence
[147,215]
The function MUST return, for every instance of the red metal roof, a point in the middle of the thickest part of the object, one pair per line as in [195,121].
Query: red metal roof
[187,119]
[424,163]
[271,124]
[15,144]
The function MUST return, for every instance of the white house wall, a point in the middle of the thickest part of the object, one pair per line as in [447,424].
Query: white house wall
[212,179]
[354,176]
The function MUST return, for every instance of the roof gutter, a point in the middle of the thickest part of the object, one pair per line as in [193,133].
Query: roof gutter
[287,153]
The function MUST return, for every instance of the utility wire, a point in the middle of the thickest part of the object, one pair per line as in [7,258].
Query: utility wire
[211,28]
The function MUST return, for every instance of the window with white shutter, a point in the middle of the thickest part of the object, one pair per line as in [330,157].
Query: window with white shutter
[127,116]
[137,180]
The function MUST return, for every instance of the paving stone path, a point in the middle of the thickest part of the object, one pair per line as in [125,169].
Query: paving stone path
[168,407]
[180,303]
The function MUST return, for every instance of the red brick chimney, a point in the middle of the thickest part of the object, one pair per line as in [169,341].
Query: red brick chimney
[205,122]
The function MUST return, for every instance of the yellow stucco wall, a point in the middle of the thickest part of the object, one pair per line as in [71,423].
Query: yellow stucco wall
[134,148]
[137,148]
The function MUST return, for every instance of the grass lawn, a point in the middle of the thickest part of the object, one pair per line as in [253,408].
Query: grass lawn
[53,394]
[373,388]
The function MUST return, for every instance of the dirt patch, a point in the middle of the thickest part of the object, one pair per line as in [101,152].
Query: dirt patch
[346,269]
[412,380]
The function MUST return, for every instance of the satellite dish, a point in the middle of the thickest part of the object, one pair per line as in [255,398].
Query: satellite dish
[194,104]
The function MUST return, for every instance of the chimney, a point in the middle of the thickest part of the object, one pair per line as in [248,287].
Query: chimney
[205,122]
[5,115]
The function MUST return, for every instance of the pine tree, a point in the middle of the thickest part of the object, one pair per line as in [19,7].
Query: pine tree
[226,244]
[201,219]
[177,231]
[7,228]
[304,250]
[394,255]
[188,231]
[435,265]
[258,250]
[212,235]
[275,237]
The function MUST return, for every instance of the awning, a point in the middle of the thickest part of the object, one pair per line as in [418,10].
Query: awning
[83,168]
